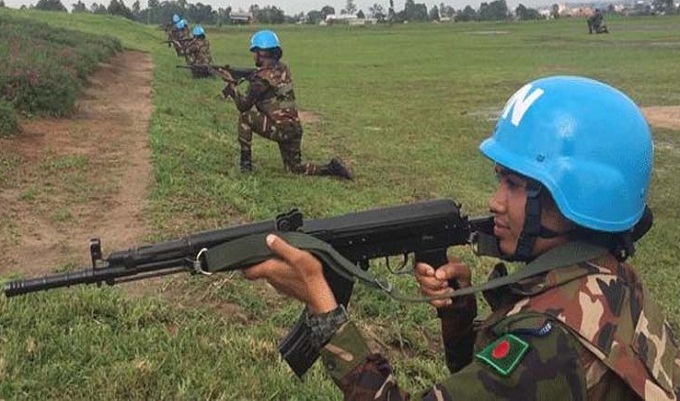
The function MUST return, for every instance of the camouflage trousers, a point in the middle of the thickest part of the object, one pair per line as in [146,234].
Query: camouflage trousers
[287,134]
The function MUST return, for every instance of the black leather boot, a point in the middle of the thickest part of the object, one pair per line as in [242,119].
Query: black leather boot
[337,168]
[246,161]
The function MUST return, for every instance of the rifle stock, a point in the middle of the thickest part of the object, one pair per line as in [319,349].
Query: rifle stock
[425,229]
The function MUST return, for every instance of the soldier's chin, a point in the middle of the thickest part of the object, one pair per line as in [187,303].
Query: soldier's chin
[507,250]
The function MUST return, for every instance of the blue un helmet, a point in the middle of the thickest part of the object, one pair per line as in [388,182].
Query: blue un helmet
[175,18]
[584,141]
[181,24]
[264,40]
[198,31]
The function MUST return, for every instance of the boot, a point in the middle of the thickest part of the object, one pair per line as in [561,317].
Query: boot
[337,168]
[246,161]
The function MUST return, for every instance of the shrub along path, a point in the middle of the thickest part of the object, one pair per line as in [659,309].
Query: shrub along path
[66,180]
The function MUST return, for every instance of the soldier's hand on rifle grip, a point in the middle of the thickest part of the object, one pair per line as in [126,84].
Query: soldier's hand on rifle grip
[228,91]
[436,281]
[295,273]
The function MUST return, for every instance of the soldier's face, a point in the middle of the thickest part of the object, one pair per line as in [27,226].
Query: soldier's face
[508,204]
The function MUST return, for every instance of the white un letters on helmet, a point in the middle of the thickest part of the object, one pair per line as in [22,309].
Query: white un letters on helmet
[520,103]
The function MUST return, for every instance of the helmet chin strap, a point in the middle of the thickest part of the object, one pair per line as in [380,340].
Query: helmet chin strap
[532,224]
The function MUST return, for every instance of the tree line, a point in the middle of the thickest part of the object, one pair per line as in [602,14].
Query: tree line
[161,12]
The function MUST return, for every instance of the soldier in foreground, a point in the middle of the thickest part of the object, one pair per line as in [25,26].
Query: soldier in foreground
[197,53]
[573,159]
[275,116]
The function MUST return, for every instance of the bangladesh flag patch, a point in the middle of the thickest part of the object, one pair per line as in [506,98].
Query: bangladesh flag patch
[504,354]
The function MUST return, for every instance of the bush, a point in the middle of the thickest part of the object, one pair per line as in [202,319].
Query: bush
[42,89]
[8,119]
[42,68]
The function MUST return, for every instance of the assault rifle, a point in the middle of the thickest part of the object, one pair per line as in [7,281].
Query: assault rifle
[170,41]
[238,74]
[424,229]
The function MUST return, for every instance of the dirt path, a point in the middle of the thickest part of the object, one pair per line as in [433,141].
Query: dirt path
[663,116]
[72,179]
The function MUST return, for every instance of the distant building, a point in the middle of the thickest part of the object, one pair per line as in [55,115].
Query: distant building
[340,18]
[349,19]
[240,18]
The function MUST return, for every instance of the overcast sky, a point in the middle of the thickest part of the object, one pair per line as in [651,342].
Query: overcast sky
[291,7]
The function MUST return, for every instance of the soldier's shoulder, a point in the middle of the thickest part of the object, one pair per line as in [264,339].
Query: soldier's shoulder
[525,355]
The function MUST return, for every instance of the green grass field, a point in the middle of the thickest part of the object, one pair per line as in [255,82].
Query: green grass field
[407,106]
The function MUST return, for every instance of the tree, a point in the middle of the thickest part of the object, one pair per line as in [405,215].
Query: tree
[350,8]
[524,14]
[495,11]
[376,11]
[268,15]
[314,17]
[415,12]
[201,13]
[50,5]
[446,11]
[555,11]
[117,7]
[327,10]
[434,14]
[361,14]
[663,6]
[468,14]
[78,7]
[2,3]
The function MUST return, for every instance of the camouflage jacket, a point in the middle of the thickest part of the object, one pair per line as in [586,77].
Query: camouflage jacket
[271,92]
[585,331]
[197,52]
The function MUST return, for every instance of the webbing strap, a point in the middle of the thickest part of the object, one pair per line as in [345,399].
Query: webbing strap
[250,250]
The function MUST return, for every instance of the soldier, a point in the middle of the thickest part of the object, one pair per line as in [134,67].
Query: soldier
[197,53]
[595,22]
[178,35]
[275,116]
[573,158]
[183,27]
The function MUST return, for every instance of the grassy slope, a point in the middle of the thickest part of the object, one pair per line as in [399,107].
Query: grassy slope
[407,106]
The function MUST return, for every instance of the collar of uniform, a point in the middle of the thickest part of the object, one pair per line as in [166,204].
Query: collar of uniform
[568,262]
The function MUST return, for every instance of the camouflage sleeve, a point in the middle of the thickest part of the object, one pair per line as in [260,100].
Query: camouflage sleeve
[190,50]
[458,334]
[257,89]
[543,365]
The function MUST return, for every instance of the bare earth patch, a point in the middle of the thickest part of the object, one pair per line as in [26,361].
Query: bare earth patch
[663,116]
[309,117]
[80,177]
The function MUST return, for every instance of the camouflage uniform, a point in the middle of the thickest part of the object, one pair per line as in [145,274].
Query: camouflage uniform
[276,118]
[197,53]
[595,23]
[582,332]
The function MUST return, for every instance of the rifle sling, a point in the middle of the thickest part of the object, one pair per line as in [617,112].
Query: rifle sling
[250,250]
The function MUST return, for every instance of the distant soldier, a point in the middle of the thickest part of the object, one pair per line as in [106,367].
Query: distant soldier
[595,23]
[197,53]
[275,116]
[178,35]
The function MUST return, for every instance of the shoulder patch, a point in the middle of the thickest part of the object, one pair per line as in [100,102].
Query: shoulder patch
[504,354]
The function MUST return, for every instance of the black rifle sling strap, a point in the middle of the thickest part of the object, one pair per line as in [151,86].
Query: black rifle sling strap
[250,250]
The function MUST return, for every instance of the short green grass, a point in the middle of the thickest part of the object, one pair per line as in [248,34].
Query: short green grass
[407,106]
